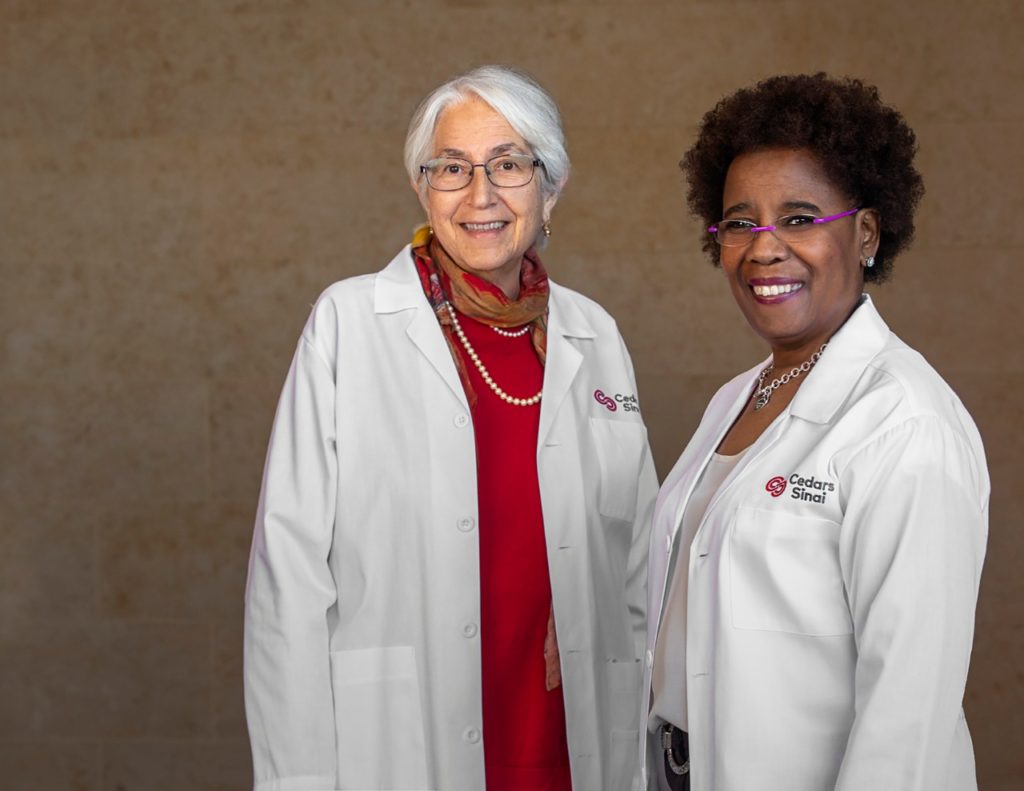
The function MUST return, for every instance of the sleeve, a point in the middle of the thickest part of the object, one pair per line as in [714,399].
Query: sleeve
[911,550]
[288,697]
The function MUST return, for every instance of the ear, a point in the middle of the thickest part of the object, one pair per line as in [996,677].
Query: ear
[551,199]
[868,229]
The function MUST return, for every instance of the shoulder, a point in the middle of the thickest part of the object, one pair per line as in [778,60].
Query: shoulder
[350,302]
[900,380]
[901,402]
[570,303]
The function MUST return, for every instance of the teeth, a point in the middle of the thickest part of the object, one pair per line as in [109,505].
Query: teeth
[775,290]
[484,226]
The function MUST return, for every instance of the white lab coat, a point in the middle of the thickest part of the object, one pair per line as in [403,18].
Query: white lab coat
[829,627]
[362,653]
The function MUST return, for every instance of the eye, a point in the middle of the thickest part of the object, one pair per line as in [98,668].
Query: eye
[797,221]
[505,164]
[735,226]
[452,167]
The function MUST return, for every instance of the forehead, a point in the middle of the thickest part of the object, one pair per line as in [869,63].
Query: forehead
[775,177]
[474,128]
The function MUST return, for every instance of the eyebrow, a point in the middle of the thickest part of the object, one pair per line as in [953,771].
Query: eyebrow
[504,148]
[793,205]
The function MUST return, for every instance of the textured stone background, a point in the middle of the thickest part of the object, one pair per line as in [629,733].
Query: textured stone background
[179,180]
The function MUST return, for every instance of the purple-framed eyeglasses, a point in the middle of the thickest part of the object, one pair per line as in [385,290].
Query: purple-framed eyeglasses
[791,228]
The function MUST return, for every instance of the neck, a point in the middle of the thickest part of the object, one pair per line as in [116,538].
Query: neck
[785,357]
[508,282]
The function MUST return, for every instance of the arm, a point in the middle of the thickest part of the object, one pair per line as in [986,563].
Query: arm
[911,550]
[288,697]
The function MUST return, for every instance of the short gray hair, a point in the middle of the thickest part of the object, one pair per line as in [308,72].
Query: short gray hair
[527,107]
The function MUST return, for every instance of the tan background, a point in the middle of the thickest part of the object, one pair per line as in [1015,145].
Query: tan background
[179,180]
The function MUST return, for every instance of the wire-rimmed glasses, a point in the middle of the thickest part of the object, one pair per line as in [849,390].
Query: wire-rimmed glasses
[790,228]
[448,174]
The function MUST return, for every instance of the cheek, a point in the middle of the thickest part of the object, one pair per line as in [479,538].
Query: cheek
[438,206]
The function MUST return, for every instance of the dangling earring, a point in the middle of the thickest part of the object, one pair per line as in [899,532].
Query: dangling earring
[869,262]
[546,227]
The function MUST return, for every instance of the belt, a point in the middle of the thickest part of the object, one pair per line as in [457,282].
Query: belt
[676,745]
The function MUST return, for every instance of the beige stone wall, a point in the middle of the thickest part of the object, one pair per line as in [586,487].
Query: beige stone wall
[179,180]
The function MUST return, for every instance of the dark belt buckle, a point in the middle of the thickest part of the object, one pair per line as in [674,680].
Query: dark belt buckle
[670,756]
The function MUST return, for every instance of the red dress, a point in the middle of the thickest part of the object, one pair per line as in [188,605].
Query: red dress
[525,745]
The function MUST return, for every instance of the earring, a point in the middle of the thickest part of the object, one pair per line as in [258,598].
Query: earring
[869,262]
[546,227]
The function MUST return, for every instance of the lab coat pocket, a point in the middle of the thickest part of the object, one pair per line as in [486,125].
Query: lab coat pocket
[620,448]
[785,574]
[379,719]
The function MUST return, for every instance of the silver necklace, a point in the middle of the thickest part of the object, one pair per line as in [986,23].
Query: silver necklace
[512,333]
[763,392]
[534,399]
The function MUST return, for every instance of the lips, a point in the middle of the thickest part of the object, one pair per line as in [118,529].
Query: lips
[775,289]
[480,227]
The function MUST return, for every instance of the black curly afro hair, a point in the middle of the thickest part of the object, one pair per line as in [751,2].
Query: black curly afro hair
[864,146]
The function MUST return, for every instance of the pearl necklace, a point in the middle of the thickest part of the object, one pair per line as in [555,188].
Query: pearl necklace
[512,333]
[763,392]
[483,371]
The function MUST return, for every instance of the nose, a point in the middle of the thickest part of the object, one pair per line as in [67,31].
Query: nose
[481,191]
[766,248]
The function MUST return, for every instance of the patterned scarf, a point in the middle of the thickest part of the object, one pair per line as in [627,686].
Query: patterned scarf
[443,280]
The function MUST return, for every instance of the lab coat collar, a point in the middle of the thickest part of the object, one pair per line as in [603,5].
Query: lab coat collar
[397,288]
[849,352]
[565,321]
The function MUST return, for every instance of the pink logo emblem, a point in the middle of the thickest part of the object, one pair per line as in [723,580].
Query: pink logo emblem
[604,400]
[776,486]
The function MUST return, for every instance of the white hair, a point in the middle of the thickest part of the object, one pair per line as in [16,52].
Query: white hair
[527,107]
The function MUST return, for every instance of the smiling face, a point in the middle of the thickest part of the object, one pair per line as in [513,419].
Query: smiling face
[485,229]
[795,295]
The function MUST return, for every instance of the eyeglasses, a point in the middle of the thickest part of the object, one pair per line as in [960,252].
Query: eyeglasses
[789,229]
[448,174]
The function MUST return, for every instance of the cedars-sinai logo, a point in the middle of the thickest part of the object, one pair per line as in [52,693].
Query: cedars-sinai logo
[604,400]
[776,486]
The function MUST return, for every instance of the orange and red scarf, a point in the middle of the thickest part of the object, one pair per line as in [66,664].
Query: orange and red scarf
[443,280]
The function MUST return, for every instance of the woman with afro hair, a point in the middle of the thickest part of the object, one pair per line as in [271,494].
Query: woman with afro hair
[817,548]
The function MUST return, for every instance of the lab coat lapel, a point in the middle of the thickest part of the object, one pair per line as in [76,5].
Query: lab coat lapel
[690,467]
[397,289]
[565,322]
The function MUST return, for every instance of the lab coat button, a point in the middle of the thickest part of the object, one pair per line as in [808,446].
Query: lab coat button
[469,629]
[471,735]
[668,543]
[649,658]
[466,524]
[461,421]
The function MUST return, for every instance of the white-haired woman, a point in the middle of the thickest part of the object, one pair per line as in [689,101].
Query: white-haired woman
[447,585]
